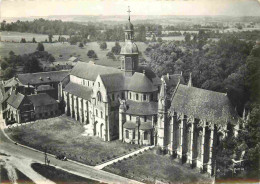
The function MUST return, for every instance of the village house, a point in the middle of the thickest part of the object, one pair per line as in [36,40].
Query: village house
[22,108]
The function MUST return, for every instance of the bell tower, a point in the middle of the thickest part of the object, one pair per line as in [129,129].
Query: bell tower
[129,52]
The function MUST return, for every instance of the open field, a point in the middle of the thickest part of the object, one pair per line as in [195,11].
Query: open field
[17,36]
[59,176]
[150,167]
[62,136]
[67,50]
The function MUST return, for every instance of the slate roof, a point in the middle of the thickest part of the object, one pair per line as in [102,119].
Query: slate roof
[42,77]
[203,104]
[44,88]
[141,108]
[12,82]
[41,99]
[129,125]
[149,74]
[140,83]
[91,71]
[146,126]
[78,90]
[15,100]
[114,82]
[6,95]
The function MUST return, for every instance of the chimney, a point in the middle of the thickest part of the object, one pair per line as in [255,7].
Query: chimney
[168,76]
[181,73]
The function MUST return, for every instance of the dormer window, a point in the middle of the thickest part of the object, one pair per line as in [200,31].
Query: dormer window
[40,78]
[49,78]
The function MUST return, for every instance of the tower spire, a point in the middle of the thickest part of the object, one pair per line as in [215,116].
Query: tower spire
[129,11]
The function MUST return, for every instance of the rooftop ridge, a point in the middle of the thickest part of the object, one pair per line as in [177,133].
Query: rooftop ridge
[204,89]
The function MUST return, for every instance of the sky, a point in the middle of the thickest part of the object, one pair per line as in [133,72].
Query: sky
[27,8]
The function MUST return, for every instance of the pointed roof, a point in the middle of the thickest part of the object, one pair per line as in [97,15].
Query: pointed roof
[15,99]
[91,71]
[203,104]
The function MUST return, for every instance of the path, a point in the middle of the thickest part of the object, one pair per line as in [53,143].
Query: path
[24,165]
[69,166]
[101,166]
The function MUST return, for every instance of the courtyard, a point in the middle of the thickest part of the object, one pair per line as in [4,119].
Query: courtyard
[149,167]
[61,135]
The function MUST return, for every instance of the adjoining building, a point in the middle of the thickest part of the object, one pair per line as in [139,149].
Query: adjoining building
[22,108]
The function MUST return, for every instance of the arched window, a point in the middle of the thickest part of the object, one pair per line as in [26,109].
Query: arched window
[99,96]
[127,134]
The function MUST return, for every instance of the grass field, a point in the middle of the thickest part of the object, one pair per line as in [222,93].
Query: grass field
[59,176]
[66,50]
[150,167]
[17,36]
[61,136]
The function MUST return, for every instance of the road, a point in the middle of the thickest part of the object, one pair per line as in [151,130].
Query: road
[79,169]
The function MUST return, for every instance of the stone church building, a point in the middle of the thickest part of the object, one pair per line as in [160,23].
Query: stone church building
[134,105]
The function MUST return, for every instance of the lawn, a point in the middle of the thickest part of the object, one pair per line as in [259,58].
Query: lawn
[59,176]
[62,136]
[150,167]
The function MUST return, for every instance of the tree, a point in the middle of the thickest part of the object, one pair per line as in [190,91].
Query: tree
[4,65]
[91,54]
[51,58]
[11,53]
[8,73]
[33,40]
[50,36]
[23,40]
[40,47]
[32,65]
[103,45]
[81,45]
[187,37]
[116,49]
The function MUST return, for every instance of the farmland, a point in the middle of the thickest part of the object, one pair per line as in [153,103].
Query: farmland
[64,49]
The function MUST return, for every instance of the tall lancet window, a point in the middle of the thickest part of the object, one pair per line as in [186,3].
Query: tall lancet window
[199,142]
[189,139]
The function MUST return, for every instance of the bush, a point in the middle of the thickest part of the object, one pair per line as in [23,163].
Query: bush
[23,40]
[40,47]
[81,45]
[103,45]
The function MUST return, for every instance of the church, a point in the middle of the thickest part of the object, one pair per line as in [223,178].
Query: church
[130,103]
[134,105]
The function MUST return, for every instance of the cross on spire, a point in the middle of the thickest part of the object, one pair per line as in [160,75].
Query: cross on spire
[129,11]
